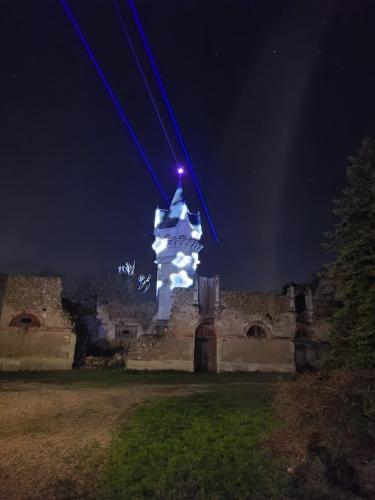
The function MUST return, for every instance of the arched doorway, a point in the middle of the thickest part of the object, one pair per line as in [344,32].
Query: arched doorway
[205,348]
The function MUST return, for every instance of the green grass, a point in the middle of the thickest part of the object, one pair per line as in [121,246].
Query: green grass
[205,446]
[109,378]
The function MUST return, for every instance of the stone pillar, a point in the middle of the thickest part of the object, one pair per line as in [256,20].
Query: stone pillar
[217,294]
[196,291]
[292,300]
[309,305]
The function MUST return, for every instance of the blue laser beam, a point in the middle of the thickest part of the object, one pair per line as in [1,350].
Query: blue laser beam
[173,118]
[140,69]
[115,101]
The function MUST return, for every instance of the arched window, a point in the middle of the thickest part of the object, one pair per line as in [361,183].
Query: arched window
[25,320]
[256,331]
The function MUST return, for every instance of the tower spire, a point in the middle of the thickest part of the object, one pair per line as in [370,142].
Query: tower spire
[180,171]
[177,234]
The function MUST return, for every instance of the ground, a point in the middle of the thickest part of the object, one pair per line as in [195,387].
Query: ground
[82,434]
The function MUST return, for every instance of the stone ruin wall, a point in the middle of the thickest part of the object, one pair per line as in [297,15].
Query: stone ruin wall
[38,295]
[235,351]
[48,347]
[175,349]
[139,315]
[240,311]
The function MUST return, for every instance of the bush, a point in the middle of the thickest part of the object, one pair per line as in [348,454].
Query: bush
[328,430]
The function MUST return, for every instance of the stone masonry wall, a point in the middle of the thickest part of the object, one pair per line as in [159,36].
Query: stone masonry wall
[184,318]
[138,314]
[36,349]
[175,349]
[244,309]
[3,282]
[237,351]
[153,352]
[48,347]
[38,295]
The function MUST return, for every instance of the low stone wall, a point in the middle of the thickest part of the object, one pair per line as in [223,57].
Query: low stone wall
[252,354]
[36,349]
[139,315]
[152,352]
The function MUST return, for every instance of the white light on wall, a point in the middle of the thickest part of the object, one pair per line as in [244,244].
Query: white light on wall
[159,284]
[180,280]
[184,211]
[182,260]
[196,260]
[178,209]
[157,218]
[196,233]
[159,244]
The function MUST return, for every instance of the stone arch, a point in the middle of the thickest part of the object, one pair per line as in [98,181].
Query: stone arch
[205,348]
[257,331]
[25,320]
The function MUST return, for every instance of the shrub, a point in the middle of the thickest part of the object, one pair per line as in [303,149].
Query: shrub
[328,429]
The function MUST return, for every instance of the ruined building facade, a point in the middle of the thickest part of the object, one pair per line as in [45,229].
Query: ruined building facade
[314,304]
[242,332]
[35,332]
[196,326]
[193,325]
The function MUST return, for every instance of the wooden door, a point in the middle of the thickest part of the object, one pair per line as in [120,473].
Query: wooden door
[205,348]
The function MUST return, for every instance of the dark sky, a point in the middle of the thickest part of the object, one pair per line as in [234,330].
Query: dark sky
[271,95]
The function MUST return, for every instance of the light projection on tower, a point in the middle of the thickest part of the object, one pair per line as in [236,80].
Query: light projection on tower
[178,209]
[196,234]
[180,280]
[182,260]
[184,211]
[159,244]
[196,260]
[177,233]
[157,218]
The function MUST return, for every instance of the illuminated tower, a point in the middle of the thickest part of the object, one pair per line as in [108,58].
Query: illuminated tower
[177,234]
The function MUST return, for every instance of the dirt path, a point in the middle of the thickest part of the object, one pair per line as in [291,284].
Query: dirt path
[49,433]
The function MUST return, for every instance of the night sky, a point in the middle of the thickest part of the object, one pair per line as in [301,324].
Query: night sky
[272,96]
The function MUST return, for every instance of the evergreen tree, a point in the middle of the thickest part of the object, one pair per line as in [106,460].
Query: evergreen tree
[353,239]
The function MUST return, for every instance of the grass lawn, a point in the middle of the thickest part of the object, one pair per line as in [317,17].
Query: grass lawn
[114,378]
[206,446]
[121,435]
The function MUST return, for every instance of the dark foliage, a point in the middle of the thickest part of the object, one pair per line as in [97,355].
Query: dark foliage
[353,238]
[328,433]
